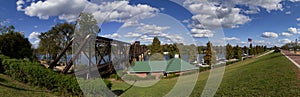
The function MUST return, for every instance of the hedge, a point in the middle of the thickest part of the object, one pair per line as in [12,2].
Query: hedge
[37,75]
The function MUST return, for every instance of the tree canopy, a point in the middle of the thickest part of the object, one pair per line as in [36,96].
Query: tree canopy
[54,40]
[210,55]
[156,47]
[14,44]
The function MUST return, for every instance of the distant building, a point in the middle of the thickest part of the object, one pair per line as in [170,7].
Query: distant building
[158,68]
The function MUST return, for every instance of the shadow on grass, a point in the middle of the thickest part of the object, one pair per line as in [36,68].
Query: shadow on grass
[120,92]
[2,80]
[16,88]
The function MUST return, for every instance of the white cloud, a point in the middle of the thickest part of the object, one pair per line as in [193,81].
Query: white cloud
[151,29]
[34,39]
[224,13]
[164,38]
[121,11]
[286,34]
[114,35]
[231,38]
[34,35]
[262,42]
[294,0]
[69,10]
[35,26]
[131,34]
[293,30]
[20,4]
[200,33]
[243,43]
[146,33]
[65,9]
[257,4]
[4,22]
[211,17]
[288,12]
[250,11]
[269,35]
[298,19]
[145,38]
[284,41]
[186,21]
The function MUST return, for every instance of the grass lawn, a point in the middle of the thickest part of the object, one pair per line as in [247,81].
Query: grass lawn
[270,75]
[12,88]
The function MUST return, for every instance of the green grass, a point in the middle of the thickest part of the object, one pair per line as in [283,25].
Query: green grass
[270,75]
[12,88]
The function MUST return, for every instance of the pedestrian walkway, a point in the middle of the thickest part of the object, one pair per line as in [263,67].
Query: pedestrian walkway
[295,58]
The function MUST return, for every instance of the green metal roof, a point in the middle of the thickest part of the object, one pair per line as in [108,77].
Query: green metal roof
[172,65]
[175,65]
[149,66]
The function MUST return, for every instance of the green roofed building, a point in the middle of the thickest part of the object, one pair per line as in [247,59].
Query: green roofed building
[158,68]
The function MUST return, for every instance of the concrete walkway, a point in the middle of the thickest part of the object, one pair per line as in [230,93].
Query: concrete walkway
[295,58]
[265,53]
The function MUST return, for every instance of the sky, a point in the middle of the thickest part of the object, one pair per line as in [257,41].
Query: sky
[266,22]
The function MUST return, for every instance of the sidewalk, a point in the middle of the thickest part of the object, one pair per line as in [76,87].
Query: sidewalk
[295,58]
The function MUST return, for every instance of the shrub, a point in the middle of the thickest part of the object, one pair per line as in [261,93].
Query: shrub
[2,57]
[115,76]
[231,62]
[277,50]
[204,69]
[171,75]
[36,75]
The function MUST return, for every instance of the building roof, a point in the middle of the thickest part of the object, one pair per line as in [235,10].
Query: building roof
[172,65]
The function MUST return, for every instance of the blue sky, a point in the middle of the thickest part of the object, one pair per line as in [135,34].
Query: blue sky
[267,22]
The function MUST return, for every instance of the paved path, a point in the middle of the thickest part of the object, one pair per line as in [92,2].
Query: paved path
[295,58]
[265,53]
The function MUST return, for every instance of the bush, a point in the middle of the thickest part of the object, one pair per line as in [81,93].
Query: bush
[2,57]
[204,69]
[277,50]
[115,76]
[36,75]
[171,75]
[231,62]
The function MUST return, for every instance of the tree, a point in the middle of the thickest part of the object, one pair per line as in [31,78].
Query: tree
[238,52]
[229,52]
[14,44]
[265,48]
[156,47]
[210,55]
[251,49]
[156,50]
[172,49]
[245,49]
[66,31]
[53,41]
[192,52]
